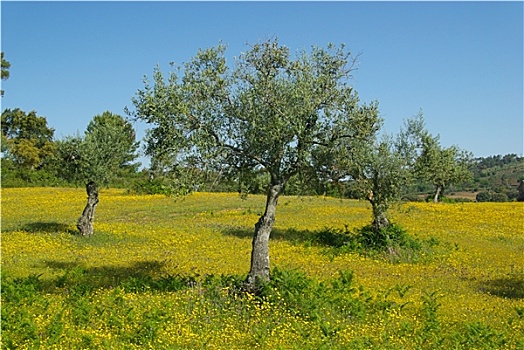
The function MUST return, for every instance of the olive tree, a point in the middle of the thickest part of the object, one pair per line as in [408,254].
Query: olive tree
[269,112]
[442,166]
[106,150]
[380,174]
[380,169]
[109,147]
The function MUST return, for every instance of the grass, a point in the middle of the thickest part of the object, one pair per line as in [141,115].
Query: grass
[166,274]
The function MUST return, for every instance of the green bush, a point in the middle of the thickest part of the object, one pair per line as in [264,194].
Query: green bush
[483,196]
[499,197]
[486,196]
[15,177]
[391,236]
[316,301]
[393,244]
[412,198]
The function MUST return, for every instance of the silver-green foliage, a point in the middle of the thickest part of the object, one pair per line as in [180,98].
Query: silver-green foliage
[269,111]
[379,168]
[107,149]
[442,166]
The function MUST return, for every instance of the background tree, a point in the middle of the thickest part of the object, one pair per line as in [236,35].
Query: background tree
[106,151]
[520,188]
[69,161]
[378,170]
[109,148]
[26,138]
[442,166]
[270,112]
[380,173]
[4,71]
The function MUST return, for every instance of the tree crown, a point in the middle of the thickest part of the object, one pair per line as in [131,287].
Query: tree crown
[270,111]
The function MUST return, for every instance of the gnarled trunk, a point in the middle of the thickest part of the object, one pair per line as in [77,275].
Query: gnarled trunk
[380,209]
[380,218]
[380,221]
[85,222]
[438,192]
[260,251]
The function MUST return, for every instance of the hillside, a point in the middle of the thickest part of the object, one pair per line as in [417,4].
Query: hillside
[498,174]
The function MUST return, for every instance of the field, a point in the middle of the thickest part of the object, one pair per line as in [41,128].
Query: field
[162,273]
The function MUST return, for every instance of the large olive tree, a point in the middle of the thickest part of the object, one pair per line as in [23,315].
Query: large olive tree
[269,111]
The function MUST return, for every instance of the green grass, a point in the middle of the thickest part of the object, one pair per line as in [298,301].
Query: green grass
[165,274]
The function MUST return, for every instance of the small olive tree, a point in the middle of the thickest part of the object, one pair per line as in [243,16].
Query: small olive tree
[107,149]
[269,112]
[379,171]
[380,175]
[442,166]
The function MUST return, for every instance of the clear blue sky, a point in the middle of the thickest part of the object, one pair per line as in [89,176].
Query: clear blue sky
[460,62]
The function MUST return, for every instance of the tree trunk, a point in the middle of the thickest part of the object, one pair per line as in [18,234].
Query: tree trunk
[380,218]
[520,197]
[437,193]
[85,222]
[260,251]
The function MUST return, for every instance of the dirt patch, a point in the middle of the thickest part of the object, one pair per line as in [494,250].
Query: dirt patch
[465,194]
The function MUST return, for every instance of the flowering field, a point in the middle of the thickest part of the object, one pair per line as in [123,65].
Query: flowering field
[165,274]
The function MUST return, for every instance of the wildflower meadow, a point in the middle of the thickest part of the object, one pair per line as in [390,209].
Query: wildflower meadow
[166,273]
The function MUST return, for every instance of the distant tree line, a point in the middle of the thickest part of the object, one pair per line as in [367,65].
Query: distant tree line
[496,161]
[105,153]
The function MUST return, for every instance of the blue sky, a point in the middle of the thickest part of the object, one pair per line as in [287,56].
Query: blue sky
[460,62]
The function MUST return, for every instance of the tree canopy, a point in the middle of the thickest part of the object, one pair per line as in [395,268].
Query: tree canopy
[5,65]
[107,149]
[442,166]
[270,111]
[110,147]
[26,138]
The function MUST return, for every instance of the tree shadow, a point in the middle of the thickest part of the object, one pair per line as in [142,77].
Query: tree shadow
[327,237]
[139,276]
[61,265]
[47,227]
[510,287]
[77,280]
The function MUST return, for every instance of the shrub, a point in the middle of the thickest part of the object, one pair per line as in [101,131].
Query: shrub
[412,198]
[512,194]
[483,196]
[499,197]
[312,300]
[391,236]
